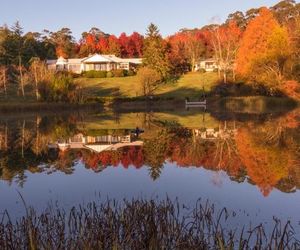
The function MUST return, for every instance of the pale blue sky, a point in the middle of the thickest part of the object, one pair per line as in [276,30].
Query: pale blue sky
[115,16]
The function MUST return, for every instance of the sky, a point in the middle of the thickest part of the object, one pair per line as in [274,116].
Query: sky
[116,16]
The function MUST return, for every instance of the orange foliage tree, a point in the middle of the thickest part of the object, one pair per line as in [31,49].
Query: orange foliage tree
[266,165]
[264,51]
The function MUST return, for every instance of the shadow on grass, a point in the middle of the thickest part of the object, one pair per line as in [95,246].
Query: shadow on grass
[101,92]
[182,93]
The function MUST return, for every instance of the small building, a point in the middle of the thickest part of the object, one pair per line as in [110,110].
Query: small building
[209,65]
[94,62]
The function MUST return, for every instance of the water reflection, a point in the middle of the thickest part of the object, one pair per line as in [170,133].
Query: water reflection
[263,152]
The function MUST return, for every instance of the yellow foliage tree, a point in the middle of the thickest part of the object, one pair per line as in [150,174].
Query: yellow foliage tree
[264,50]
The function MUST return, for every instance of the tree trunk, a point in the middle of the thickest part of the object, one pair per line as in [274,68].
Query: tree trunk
[193,65]
[4,81]
[21,77]
[219,72]
[233,75]
[225,76]
[37,133]
[6,137]
[23,138]
[36,80]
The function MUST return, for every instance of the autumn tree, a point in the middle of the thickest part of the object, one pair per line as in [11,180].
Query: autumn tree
[264,50]
[64,42]
[194,49]
[131,46]
[177,55]
[113,46]
[102,45]
[239,18]
[155,52]
[137,42]
[4,78]
[226,40]
[286,10]
[275,59]
[39,74]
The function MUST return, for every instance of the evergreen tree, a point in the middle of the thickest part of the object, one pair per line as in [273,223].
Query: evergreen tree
[155,52]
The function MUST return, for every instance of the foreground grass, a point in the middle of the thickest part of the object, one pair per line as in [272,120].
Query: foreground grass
[139,224]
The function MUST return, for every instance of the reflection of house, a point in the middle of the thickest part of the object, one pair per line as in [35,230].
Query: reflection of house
[209,65]
[213,134]
[94,62]
[96,143]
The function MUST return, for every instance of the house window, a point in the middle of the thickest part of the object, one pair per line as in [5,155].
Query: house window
[209,65]
[74,67]
[124,65]
[97,66]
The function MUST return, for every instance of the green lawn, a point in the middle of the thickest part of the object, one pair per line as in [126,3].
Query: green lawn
[189,85]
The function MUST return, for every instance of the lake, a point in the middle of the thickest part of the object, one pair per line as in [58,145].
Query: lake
[247,162]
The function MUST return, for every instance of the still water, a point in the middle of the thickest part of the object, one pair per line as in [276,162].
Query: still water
[249,163]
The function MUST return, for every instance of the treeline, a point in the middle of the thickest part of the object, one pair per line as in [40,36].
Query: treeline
[260,47]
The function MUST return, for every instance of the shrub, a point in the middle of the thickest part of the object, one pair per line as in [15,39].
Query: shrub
[109,74]
[95,74]
[202,71]
[130,73]
[61,88]
[118,72]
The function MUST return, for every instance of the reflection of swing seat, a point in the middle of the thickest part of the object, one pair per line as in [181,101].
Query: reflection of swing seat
[189,103]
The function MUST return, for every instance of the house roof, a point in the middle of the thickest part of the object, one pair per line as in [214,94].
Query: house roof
[98,147]
[97,58]
[75,60]
[132,60]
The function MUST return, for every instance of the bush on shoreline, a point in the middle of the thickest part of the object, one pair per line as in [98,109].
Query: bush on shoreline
[108,74]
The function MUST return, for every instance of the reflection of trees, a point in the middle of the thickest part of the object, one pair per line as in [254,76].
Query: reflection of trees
[265,164]
[155,150]
[276,133]
[265,153]
[268,152]
[24,144]
[246,151]
[126,156]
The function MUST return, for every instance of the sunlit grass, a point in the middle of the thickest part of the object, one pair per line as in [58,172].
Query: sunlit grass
[189,119]
[189,85]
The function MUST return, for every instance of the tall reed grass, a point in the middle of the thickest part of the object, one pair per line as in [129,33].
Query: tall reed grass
[139,224]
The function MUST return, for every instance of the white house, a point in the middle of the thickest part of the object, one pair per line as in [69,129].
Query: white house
[209,65]
[94,62]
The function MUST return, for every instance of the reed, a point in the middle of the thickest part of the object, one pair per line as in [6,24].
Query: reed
[139,224]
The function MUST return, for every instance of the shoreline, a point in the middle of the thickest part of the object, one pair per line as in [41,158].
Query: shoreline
[249,104]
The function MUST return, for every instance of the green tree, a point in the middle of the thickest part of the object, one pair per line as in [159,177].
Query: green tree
[18,52]
[149,80]
[64,42]
[155,52]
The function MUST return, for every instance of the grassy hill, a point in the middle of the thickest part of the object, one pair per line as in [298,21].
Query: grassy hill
[189,85]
